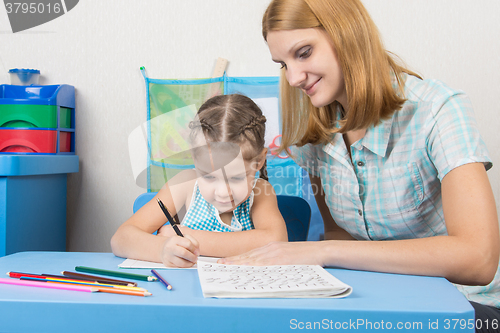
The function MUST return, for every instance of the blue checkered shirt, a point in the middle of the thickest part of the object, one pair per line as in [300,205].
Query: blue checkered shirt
[392,187]
[202,215]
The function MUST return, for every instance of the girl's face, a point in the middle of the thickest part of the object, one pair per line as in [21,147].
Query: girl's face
[228,185]
[310,63]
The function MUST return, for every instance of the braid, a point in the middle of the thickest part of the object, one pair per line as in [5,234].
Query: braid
[206,127]
[252,124]
[263,171]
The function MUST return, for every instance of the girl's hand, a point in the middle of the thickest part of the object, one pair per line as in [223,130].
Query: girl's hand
[278,253]
[180,252]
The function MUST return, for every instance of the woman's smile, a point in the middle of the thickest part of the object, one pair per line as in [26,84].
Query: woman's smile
[309,90]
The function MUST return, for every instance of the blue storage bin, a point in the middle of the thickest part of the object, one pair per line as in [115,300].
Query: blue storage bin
[33,202]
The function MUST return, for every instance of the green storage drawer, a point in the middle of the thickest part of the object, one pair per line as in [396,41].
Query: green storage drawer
[65,118]
[33,115]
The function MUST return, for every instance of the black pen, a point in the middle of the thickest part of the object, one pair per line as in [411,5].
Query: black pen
[169,218]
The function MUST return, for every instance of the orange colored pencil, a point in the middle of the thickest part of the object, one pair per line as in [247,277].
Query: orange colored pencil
[123,291]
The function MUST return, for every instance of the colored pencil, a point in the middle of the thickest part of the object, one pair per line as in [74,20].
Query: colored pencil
[19,274]
[162,280]
[86,283]
[169,218]
[48,285]
[115,273]
[98,279]
[69,286]
[123,291]
[55,276]
[73,280]
[89,280]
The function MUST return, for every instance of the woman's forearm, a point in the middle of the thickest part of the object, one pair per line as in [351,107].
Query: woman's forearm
[468,254]
[445,256]
[457,259]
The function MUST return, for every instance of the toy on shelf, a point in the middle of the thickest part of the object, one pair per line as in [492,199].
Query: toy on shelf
[24,76]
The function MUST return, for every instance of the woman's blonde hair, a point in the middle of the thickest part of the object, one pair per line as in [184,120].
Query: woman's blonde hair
[367,67]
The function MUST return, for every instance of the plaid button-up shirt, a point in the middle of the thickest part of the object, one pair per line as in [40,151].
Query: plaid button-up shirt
[391,189]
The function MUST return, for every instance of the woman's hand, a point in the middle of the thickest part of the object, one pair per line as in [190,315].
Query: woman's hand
[180,252]
[279,253]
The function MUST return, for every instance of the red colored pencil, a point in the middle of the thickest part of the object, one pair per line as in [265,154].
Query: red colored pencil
[19,274]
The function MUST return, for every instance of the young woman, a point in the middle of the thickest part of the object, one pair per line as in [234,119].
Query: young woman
[219,197]
[397,162]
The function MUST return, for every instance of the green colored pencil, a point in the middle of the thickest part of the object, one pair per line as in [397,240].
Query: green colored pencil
[115,273]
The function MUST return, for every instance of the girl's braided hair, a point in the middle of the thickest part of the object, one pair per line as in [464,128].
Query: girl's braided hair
[236,119]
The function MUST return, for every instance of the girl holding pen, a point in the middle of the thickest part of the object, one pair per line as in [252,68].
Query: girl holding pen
[227,210]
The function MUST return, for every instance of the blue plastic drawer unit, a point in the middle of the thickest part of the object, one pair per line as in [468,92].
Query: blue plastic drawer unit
[27,113]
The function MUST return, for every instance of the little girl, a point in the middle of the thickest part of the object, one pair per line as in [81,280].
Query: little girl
[220,196]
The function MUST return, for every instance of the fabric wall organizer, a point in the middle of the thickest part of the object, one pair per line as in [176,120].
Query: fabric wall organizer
[172,104]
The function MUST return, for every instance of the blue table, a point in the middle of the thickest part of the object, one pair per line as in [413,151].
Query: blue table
[379,302]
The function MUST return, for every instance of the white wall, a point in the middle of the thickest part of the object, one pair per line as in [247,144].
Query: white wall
[99,46]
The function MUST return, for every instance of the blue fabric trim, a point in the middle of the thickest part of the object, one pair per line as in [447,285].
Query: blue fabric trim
[146,80]
[253,80]
[191,82]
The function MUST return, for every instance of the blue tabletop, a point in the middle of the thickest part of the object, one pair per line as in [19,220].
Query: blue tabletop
[379,301]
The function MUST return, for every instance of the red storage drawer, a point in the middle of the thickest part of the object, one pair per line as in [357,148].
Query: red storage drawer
[31,141]
[65,139]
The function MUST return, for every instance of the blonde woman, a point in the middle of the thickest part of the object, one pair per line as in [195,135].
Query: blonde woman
[397,162]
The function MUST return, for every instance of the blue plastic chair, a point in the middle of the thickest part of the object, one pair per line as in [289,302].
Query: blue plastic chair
[295,210]
[297,214]
[142,199]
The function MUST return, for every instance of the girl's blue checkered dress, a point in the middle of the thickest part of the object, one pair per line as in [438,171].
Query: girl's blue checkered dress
[202,215]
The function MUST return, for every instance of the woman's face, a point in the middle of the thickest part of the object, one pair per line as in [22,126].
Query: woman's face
[310,63]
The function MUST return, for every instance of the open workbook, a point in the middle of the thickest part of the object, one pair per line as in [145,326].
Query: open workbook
[285,281]
[134,263]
